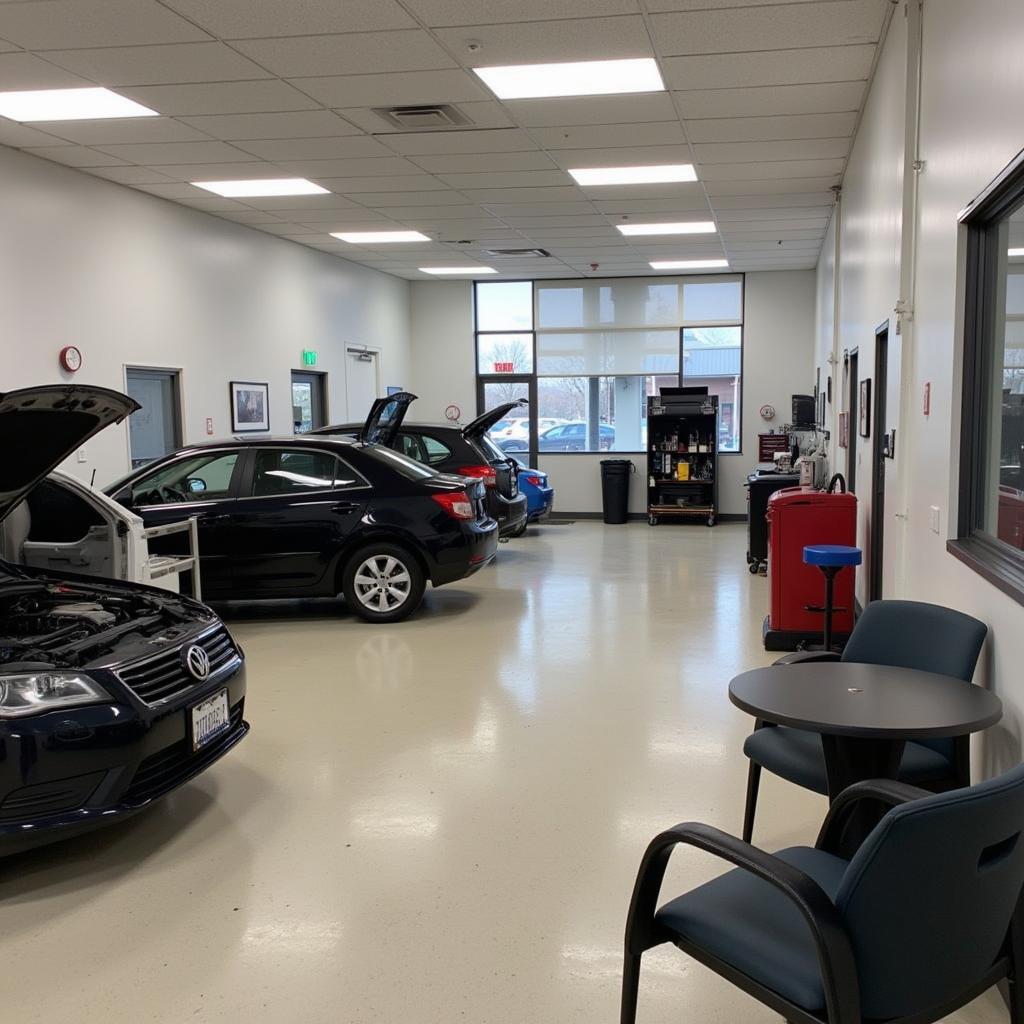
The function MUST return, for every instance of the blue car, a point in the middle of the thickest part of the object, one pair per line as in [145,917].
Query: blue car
[540,495]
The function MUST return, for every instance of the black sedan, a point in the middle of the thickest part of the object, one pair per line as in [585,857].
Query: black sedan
[465,451]
[318,516]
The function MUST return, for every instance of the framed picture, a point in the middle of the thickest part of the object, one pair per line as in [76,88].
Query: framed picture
[865,407]
[250,407]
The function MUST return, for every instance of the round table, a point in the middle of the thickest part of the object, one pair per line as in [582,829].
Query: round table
[864,713]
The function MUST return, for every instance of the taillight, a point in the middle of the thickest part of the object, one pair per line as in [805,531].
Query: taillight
[535,480]
[488,474]
[456,504]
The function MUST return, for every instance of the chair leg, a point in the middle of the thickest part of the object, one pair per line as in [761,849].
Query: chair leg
[630,988]
[753,781]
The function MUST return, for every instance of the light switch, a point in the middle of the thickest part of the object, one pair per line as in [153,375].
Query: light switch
[209,425]
[933,518]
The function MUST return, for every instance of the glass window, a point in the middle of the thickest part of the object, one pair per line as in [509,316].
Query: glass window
[625,302]
[198,478]
[712,301]
[435,450]
[398,463]
[423,448]
[504,353]
[504,306]
[511,433]
[284,471]
[597,352]
[713,358]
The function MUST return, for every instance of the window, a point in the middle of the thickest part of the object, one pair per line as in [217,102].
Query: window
[198,478]
[991,509]
[280,471]
[422,448]
[154,430]
[589,353]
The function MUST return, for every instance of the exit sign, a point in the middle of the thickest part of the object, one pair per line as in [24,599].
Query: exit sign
[504,367]
[308,357]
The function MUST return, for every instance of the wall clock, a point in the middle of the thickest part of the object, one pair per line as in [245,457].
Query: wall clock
[70,358]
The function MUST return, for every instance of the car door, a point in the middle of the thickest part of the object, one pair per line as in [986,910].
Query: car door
[202,483]
[298,506]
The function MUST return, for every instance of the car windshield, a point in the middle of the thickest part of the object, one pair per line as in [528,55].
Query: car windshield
[409,468]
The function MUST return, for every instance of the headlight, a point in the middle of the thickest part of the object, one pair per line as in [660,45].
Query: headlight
[36,692]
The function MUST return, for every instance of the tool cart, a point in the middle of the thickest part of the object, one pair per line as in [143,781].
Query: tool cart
[682,457]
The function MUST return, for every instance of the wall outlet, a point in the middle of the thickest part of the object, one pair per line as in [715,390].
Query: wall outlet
[81,455]
[933,518]
[209,425]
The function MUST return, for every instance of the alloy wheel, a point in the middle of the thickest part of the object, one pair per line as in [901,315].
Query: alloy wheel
[382,583]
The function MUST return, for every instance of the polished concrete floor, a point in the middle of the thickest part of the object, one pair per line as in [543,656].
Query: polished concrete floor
[434,822]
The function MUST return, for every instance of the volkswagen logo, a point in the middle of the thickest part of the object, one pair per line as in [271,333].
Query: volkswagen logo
[197,661]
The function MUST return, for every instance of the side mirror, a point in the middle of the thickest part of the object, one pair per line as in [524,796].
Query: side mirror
[196,485]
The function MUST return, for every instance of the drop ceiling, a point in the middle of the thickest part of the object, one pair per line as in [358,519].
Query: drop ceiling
[763,97]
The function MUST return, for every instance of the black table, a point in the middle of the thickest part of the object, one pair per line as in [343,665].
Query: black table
[864,713]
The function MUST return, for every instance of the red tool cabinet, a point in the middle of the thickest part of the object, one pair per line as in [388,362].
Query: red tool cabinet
[796,518]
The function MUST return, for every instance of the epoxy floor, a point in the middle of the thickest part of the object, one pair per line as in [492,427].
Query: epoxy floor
[434,822]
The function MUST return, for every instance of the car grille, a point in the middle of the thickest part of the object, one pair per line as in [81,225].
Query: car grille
[163,677]
[170,767]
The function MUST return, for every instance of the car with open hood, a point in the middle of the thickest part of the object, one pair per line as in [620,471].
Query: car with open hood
[466,451]
[112,694]
[318,516]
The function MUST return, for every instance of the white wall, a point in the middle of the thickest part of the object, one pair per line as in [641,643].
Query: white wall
[970,129]
[129,278]
[778,356]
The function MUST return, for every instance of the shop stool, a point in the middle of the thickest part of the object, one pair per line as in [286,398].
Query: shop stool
[830,559]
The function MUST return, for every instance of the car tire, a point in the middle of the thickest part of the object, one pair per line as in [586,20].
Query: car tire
[388,566]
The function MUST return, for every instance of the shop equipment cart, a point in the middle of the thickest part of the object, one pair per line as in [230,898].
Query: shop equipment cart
[682,457]
[761,485]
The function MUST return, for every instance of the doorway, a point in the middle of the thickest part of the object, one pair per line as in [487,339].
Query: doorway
[853,419]
[309,400]
[880,386]
[362,381]
[515,435]
[155,429]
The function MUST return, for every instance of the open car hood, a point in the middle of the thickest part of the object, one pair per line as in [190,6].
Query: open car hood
[40,427]
[483,423]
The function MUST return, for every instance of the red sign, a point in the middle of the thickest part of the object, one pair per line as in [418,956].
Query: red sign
[504,367]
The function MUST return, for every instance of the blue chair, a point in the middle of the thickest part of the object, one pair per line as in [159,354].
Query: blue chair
[830,559]
[905,634]
[925,916]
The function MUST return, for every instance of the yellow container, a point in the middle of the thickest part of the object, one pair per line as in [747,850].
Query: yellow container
[682,470]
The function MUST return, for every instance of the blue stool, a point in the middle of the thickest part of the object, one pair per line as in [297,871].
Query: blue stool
[830,558]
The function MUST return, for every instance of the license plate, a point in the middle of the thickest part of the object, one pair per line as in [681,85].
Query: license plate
[210,719]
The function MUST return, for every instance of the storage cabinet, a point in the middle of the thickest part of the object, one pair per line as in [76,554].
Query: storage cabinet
[682,458]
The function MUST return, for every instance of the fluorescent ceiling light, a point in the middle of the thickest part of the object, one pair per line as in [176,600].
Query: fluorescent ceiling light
[688,264]
[653,175]
[365,237]
[1015,252]
[578,78]
[69,105]
[458,270]
[689,227]
[261,187]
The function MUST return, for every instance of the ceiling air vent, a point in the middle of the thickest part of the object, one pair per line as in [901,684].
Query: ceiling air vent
[497,254]
[433,117]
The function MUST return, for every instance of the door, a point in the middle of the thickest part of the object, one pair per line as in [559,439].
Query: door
[853,421]
[878,451]
[296,509]
[309,401]
[515,430]
[202,484]
[362,381]
[155,429]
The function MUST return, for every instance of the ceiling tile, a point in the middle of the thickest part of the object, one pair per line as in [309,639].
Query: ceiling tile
[670,190]
[549,194]
[129,175]
[5,46]
[219,171]
[179,153]
[19,135]
[55,24]
[389,165]
[537,209]
[398,88]
[770,67]
[181,190]
[390,183]
[658,6]
[771,169]
[248,19]
[768,202]
[510,179]
[687,204]
[469,162]
[574,39]
[726,216]
[301,124]
[346,148]
[777,99]
[780,234]
[752,129]
[356,54]
[604,110]
[838,23]
[76,156]
[443,13]
[26,71]
[221,97]
[627,156]
[598,136]
[286,205]
[440,204]
[768,186]
[555,221]
[355,215]
[481,113]
[158,65]
[124,130]
[260,217]
[784,149]
[497,140]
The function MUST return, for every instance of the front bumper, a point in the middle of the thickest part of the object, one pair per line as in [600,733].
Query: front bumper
[66,772]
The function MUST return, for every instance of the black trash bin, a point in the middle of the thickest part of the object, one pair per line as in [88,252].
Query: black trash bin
[615,475]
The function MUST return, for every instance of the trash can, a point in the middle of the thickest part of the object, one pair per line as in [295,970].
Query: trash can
[615,474]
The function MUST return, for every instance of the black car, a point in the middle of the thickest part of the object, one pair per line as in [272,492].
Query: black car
[465,451]
[566,437]
[111,694]
[314,516]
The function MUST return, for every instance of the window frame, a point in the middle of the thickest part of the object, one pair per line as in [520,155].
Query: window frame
[249,482]
[996,561]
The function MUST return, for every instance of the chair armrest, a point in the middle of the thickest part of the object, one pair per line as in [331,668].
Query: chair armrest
[884,791]
[835,956]
[806,657]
